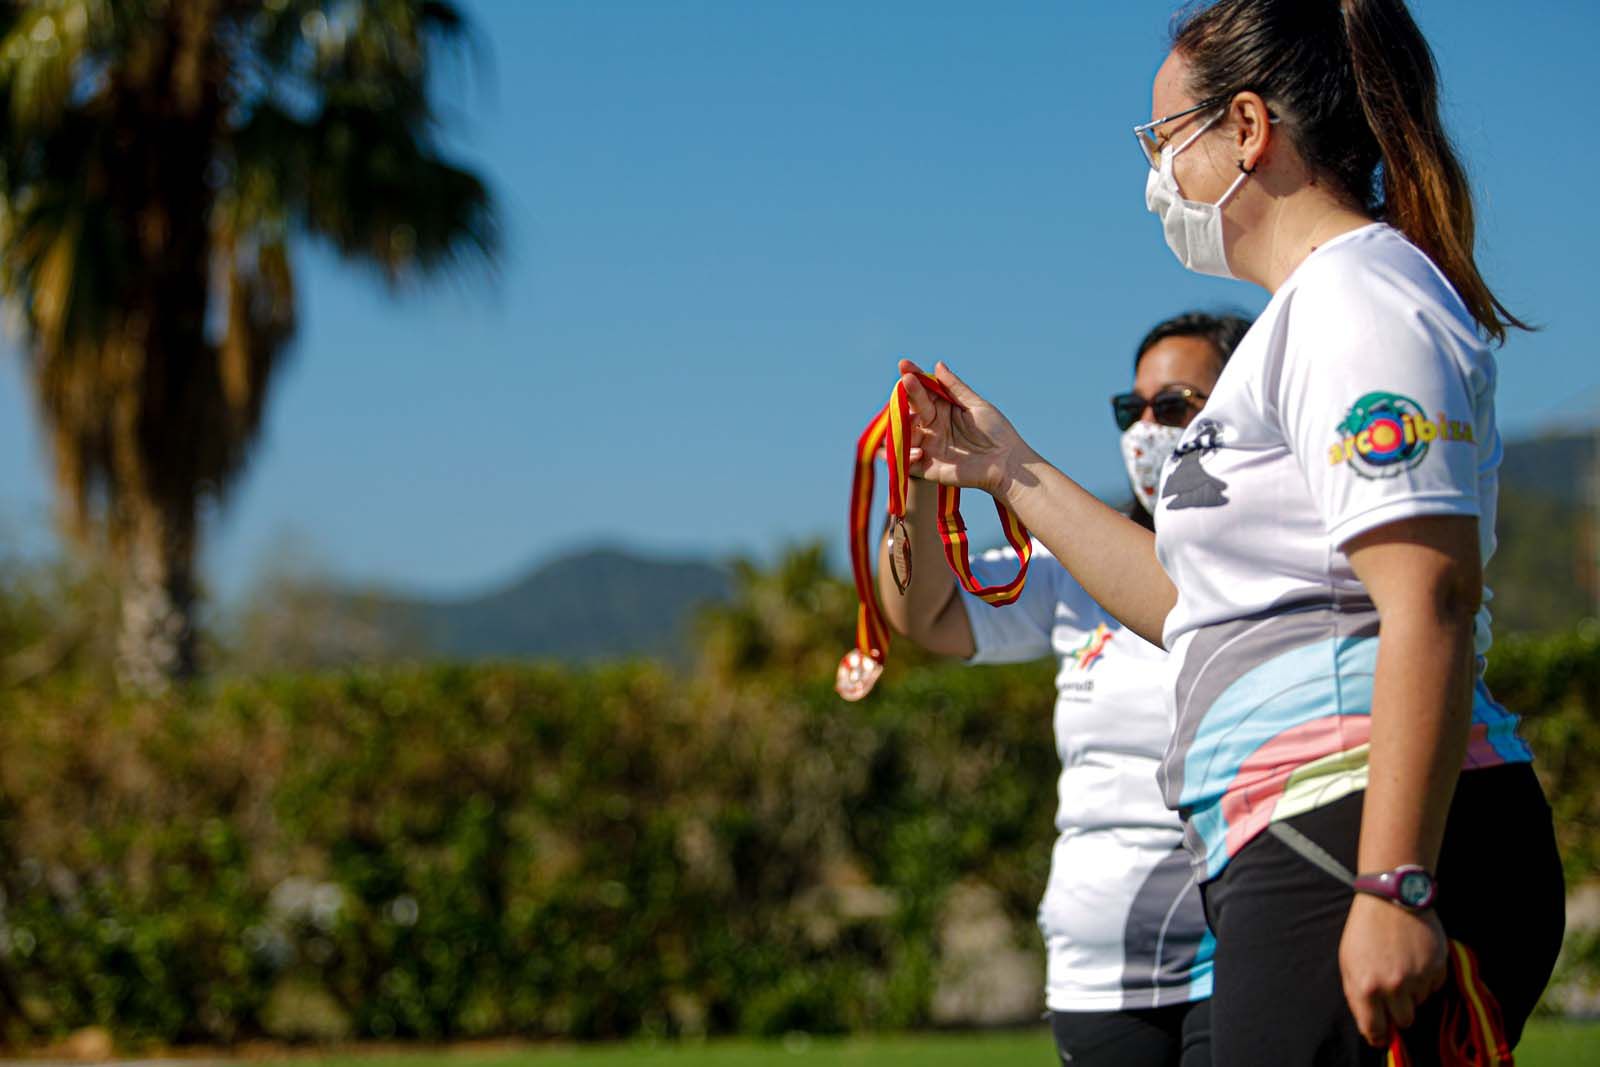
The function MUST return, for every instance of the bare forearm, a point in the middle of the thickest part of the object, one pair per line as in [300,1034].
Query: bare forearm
[1425,577]
[929,612]
[1390,960]
[1421,716]
[1111,556]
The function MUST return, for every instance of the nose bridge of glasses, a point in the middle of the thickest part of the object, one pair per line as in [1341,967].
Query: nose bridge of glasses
[1130,408]
[1168,407]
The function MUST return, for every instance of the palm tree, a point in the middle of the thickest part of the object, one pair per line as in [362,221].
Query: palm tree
[159,157]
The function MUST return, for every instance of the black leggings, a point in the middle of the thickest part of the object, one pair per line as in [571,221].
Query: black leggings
[1278,1000]
[1176,1036]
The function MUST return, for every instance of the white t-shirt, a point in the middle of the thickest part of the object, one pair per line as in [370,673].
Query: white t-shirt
[1362,395]
[1121,916]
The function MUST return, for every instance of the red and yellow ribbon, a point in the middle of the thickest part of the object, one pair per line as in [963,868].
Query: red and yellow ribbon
[861,665]
[1473,1034]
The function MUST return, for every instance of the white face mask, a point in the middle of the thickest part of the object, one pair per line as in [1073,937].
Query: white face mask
[1193,229]
[1146,447]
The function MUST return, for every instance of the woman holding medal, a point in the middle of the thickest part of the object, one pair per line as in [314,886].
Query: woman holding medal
[1128,955]
[1376,858]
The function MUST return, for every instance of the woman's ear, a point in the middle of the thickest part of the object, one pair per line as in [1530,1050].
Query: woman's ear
[1252,123]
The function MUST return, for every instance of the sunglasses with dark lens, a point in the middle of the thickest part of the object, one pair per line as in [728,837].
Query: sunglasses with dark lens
[1171,406]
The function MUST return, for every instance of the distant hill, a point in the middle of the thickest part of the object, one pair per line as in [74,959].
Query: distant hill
[1543,574]
[602,604]
[1558,465]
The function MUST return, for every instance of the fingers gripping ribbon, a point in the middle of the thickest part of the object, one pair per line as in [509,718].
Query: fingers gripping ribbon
[862,665]
[1473,1034]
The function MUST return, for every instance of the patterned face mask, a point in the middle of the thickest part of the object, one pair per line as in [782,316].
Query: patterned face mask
[1145,449]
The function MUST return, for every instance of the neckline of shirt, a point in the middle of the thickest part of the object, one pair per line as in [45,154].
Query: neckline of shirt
[1333,242]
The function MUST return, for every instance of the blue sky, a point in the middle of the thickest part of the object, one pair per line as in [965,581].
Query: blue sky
[724,222]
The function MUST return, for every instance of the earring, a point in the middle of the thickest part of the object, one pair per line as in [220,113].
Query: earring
[1247,170]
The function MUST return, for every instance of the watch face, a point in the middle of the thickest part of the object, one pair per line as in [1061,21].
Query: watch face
[1414,888]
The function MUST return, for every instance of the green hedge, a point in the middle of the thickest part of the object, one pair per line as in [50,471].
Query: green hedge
[454,852]
[1554,682]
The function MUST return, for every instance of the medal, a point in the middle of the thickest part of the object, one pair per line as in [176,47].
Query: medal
[857,674]
[900,554]
[862,665]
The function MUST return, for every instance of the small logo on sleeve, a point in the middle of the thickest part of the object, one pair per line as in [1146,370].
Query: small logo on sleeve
[1386,434]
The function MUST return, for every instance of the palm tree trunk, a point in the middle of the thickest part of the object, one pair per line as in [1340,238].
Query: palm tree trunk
[156,644]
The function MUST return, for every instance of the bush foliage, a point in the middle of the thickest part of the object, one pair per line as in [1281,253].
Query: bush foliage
[447,852]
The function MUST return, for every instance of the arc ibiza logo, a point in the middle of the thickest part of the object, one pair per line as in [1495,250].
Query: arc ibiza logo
[1386,434]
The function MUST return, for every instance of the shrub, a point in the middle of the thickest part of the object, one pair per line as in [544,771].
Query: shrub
[451,851]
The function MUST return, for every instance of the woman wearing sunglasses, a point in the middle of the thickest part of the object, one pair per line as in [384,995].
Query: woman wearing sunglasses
[1128,958]
[1356,804]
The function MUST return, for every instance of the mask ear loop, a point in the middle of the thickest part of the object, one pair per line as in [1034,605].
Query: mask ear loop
[1240,180]
[1169,156]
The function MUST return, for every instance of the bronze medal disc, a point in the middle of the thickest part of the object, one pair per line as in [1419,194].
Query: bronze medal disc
[856,675]
[900,555]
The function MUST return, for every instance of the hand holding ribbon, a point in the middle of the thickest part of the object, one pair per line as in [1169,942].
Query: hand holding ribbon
[959,438]
[928,407]
[1473,1033]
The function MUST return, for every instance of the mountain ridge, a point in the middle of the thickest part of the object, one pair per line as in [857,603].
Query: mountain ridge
[587,605]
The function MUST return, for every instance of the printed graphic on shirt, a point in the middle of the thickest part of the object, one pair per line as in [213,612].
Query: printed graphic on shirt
[1385,434]
[1189,486]
[1166,943]
[1088,654]
[1274,720]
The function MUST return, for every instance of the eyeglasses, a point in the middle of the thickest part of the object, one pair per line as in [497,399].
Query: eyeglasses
[1150,144]
[1171,406]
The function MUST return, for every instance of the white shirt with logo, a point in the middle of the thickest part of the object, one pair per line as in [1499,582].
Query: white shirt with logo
[1362,395]
[1121,915]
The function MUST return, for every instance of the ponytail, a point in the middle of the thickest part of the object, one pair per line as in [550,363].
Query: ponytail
[1425,191]
[1357,88]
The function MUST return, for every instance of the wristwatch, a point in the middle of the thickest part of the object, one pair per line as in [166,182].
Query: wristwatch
[1408,885]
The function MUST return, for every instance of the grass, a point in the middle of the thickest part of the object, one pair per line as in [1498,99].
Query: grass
[932,1050]
[1559,1044]
[1546,1044]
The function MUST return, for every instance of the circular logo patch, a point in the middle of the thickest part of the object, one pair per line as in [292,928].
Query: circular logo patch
[1379,437]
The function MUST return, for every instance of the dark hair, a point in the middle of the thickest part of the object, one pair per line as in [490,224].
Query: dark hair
[1355,85]
[1223,329]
